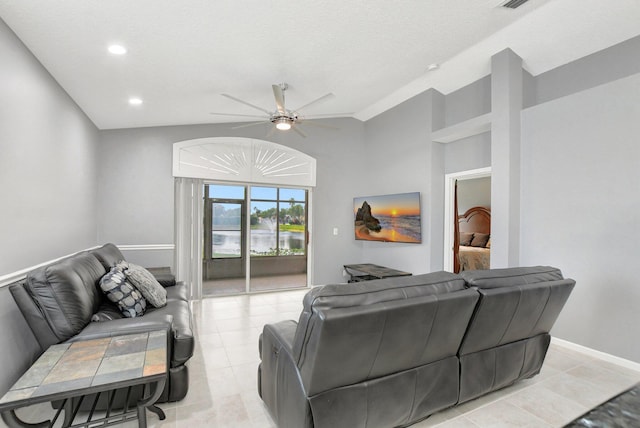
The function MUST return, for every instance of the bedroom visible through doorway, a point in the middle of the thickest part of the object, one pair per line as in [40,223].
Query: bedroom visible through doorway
[475,188]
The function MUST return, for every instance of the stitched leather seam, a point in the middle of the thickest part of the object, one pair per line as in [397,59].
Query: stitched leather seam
[433,320]
[515,311]
[544,308]
[495,368]
[394,288]
[373,363]
[524,357]
[415,388]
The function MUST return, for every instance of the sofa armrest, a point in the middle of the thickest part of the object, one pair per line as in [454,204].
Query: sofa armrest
[97,330]
[282,333]
[163,275]
[279,380]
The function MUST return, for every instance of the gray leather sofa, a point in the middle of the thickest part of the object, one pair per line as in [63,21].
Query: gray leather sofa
[59,300]
[391,352]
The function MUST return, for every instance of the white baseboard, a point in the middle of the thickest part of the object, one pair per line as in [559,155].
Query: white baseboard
[597,354]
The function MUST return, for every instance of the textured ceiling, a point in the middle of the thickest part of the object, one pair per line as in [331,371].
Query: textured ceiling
[370,54]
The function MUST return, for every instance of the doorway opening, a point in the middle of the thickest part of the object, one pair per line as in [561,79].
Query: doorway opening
[449,210]
[249,164]
[255,238]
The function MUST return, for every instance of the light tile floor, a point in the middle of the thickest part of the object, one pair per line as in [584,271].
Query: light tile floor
[223,391]
[228,286]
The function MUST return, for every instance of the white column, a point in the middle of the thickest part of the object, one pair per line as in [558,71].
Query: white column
[506,105]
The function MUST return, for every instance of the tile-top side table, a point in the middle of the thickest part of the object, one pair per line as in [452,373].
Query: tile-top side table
[70,371]
[368,271]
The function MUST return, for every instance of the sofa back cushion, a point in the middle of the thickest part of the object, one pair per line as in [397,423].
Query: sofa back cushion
[515,304]
[108,255]
[67,293]
[383,327]
[495,278]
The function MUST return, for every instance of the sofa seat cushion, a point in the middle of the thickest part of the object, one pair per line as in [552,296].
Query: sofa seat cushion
[107,312]
[67,293]
[495,278]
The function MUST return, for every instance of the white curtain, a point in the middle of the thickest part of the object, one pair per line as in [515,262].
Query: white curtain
[188,230]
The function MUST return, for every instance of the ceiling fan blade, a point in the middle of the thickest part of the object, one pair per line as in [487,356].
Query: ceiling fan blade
[271,132]
[317,100]
[278,93]
[246,103]
[295,128]
[246,125]
[241,115]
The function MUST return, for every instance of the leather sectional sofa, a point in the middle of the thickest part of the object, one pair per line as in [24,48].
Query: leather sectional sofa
[58,302]
[391,352]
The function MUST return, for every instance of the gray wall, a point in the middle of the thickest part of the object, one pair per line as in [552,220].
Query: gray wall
[618,61]
[136,187]
[474,193]
[468,102]
[467,154]
[397,158]
[47,164]
[580,187]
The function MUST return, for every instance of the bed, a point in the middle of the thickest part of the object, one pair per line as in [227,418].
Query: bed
[472,243]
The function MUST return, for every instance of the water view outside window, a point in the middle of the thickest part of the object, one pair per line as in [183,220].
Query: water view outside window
[226,230]
[278,218]
[226,220]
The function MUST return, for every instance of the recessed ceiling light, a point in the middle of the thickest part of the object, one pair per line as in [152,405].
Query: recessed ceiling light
[117,49]
[433,67]
[134,101]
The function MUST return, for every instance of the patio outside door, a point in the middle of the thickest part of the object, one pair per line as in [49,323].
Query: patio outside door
[254,244]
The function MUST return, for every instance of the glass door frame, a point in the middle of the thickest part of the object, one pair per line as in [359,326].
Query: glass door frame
[247,235]
[226,263]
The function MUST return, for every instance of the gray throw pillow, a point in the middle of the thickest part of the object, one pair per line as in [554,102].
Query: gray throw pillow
[118,290]
[479,239]
[465,238]
[147,284]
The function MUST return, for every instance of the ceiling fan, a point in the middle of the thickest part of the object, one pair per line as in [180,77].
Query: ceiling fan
[282,118]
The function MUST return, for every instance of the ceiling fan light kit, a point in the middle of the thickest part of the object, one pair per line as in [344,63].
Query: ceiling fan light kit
[282,118]
[282,123]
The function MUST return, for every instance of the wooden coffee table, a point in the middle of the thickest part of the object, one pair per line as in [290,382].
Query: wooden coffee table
[69,372]
[368,271]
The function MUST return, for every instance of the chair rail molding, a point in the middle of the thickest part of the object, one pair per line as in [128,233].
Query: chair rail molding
[22,273]
[146,247]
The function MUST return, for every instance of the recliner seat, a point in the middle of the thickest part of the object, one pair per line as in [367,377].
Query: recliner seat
[391,352]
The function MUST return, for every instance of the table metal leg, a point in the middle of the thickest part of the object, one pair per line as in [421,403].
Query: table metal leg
[12,420]
[149,402]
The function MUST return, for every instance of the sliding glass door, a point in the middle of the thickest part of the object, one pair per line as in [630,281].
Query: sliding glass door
[278,238]
[255,238]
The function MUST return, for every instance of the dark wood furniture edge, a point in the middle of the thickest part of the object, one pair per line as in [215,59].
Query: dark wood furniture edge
[475,219]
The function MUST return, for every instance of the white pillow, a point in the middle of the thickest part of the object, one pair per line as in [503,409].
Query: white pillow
[147,284]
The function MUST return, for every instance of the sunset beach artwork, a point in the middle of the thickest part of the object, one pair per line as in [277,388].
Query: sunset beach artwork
[388,218]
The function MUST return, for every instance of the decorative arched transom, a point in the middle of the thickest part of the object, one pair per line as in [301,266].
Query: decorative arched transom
[243,160]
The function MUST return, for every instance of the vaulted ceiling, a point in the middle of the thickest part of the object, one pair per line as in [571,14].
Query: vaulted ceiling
[371,54]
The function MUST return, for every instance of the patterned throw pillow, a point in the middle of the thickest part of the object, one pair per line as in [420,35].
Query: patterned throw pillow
[147,284]
[118,290]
